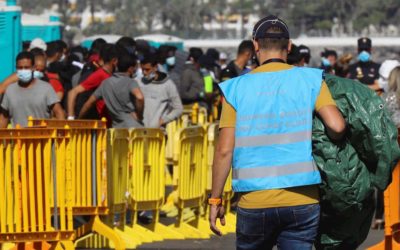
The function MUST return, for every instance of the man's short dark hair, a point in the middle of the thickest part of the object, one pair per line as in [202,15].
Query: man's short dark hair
[95,48]
[277,44]
[149,58]
[53,48]
[128,43]
[126,61]
[62,44]
[245,46]
[26,55]
[294,57]
[109,52]
[195,53]
[305,53]
[328,52]
[37,52]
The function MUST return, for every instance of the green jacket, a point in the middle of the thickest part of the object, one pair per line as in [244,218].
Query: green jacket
[352,168]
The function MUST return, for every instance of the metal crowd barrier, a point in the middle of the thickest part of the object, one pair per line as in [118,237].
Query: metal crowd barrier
[35,177]
[189,186]
[89,175]
[80,170]
[146,182]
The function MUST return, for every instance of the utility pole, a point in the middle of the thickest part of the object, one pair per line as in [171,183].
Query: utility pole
[92,10]
[242,20]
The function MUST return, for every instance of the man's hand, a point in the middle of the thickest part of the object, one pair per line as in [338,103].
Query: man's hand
[216,212]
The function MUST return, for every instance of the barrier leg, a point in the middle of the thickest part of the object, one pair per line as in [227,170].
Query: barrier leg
[162,230]
[145,235]
[96,225]
[7,246]
[68,245]
[189,231]
[55,246]
[101,228]
[131,240]
[169,207]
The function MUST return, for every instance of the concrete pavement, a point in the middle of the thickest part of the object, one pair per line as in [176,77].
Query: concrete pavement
[228,242]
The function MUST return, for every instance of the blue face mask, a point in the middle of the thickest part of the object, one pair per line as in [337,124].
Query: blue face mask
[170,61]
[150,77]
[326,62]
[364,56]
[24,75]
[38,74]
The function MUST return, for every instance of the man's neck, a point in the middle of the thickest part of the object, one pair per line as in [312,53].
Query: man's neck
[268,55]
[51,60]
[241,62]
[157,75]
[108,68]
[123,73]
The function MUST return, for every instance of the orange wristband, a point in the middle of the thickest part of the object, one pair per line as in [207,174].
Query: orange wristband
[215,201]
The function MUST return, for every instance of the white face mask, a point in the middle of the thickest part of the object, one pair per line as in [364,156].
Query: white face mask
[38,74]
[62,58]
[24,75]
[150,77]
[171,61]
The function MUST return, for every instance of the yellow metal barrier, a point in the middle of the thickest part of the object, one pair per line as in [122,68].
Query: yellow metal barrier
[89,174]
[188,181]
[35,178]
[172,128]
[146,182]
[118,153]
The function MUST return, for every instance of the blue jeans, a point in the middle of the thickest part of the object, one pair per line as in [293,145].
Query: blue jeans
[290,228]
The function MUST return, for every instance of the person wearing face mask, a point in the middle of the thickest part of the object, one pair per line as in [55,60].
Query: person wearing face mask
[39,73]
[170,61]
[124,100]
[328,61]
[29,96]
[365,70]
[162,103]
[52,78]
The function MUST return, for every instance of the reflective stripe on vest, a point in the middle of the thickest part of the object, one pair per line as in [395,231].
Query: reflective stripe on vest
[273,171]
[273,128]
[265,140]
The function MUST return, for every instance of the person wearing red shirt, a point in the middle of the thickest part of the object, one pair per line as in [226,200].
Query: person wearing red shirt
[109,59]
[54,81]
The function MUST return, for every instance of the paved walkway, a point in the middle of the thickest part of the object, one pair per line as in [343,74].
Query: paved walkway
[228,242]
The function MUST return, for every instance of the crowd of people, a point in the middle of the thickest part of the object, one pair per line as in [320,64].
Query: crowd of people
[133,84]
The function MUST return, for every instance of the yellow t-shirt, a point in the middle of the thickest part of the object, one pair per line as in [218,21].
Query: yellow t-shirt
[277,197]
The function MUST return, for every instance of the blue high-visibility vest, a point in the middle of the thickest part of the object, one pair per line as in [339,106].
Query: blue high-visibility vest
[274,113]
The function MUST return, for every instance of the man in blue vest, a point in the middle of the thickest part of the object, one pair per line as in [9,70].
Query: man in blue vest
[265,133]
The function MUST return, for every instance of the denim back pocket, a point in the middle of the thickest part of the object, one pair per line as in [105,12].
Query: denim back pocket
[250,222]
[306,214]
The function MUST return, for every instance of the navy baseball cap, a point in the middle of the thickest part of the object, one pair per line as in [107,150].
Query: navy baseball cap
[261,27]
[364,43]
